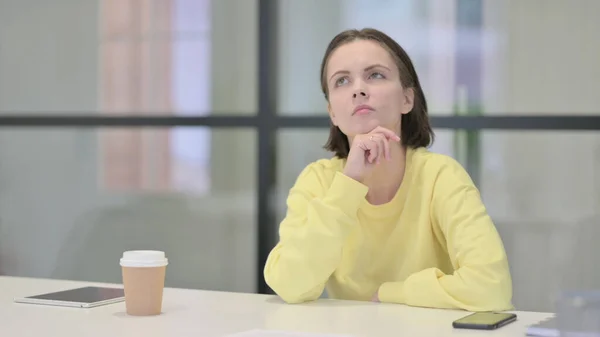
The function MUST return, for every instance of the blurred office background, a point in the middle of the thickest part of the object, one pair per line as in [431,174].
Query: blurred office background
[72,198]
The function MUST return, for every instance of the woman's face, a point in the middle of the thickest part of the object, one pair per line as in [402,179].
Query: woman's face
[364,89]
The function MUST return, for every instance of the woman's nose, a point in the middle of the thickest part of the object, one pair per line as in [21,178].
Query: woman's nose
[360,93]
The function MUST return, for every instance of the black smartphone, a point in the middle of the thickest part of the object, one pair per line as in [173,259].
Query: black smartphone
[484,320]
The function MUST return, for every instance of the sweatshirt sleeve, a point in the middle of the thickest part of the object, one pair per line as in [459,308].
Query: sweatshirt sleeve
[481,279]
[319,217]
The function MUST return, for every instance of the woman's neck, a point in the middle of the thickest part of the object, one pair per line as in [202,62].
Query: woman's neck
[386,177]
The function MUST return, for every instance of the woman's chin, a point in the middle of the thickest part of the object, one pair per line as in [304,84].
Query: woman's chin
[363,128]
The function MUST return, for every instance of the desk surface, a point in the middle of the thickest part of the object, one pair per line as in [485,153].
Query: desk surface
[206,313]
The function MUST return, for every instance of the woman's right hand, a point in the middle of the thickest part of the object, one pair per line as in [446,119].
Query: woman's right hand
[367,150]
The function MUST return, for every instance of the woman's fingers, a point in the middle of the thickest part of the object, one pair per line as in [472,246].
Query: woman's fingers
[376,144]
[373,146]
[380,147]
[388,133]
[385,143]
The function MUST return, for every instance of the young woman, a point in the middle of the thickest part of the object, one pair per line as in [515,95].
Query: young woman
[385,219]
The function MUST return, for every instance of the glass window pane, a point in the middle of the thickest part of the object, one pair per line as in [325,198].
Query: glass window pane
[136,18]
[191,87]
[129,57]
[296,148]
[72,200]
[472,57]
[192,16]
[120,18]
[524,70]
[541,189]
[49,56]
[157,77]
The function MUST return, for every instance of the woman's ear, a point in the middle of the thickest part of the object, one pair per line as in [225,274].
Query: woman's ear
[408,100]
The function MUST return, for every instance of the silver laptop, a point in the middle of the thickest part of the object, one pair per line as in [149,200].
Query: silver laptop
[84,297]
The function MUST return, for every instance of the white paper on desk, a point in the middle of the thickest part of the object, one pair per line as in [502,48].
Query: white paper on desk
[275,333]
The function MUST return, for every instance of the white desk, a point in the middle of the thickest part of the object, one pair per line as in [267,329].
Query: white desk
[206,314]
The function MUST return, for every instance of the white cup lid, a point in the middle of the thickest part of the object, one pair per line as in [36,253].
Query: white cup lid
[144,258]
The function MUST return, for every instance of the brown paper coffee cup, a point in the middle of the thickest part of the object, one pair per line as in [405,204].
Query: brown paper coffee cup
[143,281]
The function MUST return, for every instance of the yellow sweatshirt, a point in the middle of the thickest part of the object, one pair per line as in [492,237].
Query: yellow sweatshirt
[433,245]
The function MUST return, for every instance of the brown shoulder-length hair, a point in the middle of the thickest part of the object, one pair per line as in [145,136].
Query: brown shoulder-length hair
[416,130]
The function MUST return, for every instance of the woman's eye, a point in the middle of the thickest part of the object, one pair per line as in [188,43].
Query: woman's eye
[377,75]
[341,81]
